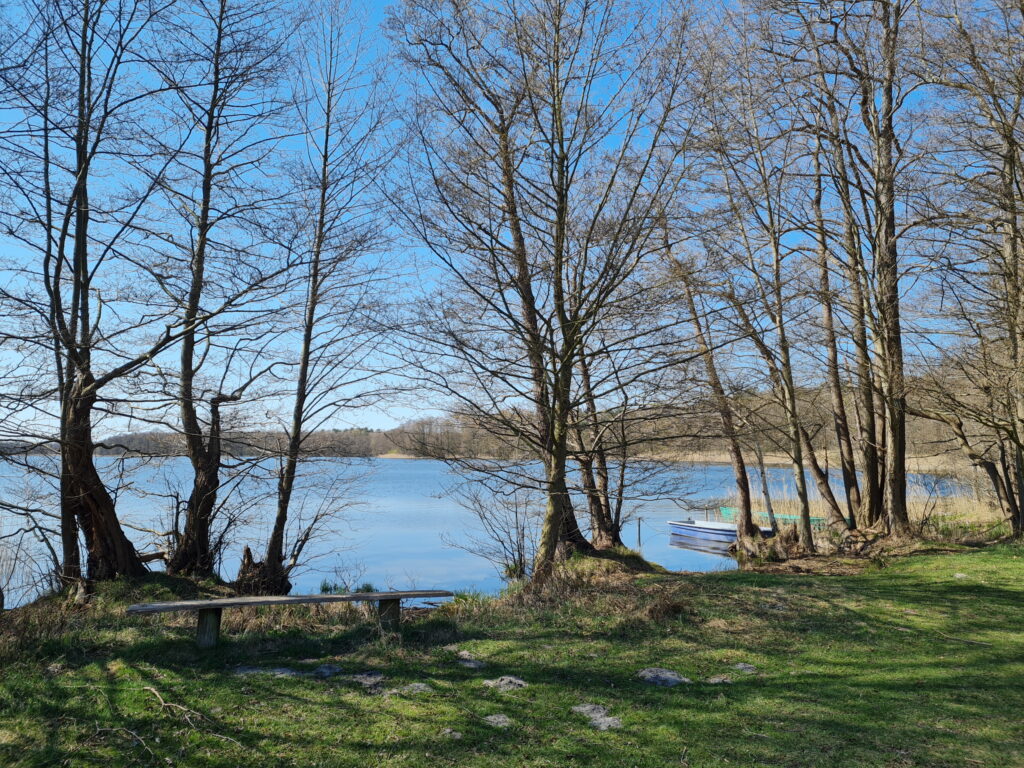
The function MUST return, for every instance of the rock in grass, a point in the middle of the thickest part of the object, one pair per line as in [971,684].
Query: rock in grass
[744,667]
[959,575]
[372,682]
[326,670]
[718,680]
[663,677]
[275,671]
[598,716]
[506,683]
[467,660]
[415,688]
[451,733]
[498,721]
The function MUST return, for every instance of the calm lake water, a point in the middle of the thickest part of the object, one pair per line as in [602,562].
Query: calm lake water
[400,533]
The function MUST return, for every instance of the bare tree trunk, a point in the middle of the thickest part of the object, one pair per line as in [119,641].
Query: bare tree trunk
[765,490]
[109,553]
[594,468]
[746,528]
[340,116]
[839,419]
[193,556]
[834,514]
[781,375]
[880,125]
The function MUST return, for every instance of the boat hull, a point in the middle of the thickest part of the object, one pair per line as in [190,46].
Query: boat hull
[708,530]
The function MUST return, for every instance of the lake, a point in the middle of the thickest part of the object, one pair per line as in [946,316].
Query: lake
[400,533]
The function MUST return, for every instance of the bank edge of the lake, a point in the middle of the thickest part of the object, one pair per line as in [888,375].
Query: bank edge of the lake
[917,663]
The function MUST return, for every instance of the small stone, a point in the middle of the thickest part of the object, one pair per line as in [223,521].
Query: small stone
[326,670]
[416,688]
[498,721]
[959,575]
[744,667]
[372,682]
[451,733]
[718,680]
[598,716]
[472,663]
[506,683]
[663,677]
[275,671]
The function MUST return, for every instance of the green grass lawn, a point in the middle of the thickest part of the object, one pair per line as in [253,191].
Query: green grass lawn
[919,663]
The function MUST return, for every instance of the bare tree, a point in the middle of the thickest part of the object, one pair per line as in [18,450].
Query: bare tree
[976,387]
[509,519]
[538,163]
[746,528]
[225,66]
[76,111]
[336,231]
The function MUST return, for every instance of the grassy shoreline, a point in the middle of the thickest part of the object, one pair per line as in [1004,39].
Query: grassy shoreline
[917,663]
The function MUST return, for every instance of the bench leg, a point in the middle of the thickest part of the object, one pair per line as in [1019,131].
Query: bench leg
[208,627]
[390,614]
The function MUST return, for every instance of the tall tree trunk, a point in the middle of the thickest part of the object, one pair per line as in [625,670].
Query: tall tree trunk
[193,554]
[781,375]
[840,422]
[870,508]
[886,268]
[766,494]
[109,553]
[550,401]
[833,515]
[746,528]
[1013,261]
[594,469]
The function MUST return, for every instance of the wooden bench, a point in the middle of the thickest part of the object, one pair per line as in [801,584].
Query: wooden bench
[209,611]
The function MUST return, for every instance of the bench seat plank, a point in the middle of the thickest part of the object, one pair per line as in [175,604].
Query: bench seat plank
[236,602]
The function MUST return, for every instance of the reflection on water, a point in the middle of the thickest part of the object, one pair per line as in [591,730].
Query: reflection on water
[708,546]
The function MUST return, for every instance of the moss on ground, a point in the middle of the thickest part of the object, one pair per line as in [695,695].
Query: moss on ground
[917,662]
